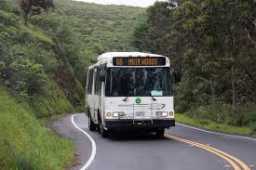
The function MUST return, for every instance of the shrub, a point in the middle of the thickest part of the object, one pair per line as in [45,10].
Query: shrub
[6,160]
[25,78]
[219,113]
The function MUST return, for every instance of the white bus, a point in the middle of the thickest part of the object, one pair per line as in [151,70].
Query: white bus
[130,91]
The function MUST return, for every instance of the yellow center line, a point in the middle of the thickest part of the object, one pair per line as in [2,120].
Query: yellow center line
[235,163]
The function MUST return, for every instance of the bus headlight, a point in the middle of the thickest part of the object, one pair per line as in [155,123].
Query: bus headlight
[162,114]
[119,114]
[108,115]
[115,115]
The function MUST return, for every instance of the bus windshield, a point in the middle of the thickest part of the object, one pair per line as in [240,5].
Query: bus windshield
[138,82]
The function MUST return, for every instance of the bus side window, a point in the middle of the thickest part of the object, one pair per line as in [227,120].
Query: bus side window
[90,82]
[97,82]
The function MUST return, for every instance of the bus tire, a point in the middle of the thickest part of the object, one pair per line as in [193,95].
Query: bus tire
[102,131]
[160,133]
[91,125]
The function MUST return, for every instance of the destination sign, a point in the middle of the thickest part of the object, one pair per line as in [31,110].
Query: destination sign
[139,61]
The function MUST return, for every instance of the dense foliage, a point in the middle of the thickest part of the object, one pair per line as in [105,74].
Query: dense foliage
[24,143]
[94,28]
[212,47]
[29,65]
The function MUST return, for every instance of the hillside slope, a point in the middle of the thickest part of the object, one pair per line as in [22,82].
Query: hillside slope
[24,143]
[94,28]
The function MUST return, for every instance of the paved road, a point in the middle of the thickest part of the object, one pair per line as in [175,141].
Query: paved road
[136,152]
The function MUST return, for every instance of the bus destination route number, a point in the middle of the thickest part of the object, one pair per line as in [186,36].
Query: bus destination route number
[139,61]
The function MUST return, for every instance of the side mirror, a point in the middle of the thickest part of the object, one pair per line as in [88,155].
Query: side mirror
[102,76]
[176,74]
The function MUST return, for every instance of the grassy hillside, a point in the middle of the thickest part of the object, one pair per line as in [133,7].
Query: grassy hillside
[24,143]
[29,65]
[42,72]
[104,28]
[94,28]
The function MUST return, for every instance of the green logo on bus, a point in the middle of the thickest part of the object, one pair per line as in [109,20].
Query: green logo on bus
[138,100]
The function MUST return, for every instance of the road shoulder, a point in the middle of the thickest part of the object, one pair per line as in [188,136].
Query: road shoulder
[83,147]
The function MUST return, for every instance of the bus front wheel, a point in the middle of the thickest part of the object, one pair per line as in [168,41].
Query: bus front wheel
[102,131]
[92,126]
[160,133]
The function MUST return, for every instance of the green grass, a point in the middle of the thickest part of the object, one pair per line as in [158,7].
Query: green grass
[213,126]
[100,28]
[54,104]
[24,143]
[37,34]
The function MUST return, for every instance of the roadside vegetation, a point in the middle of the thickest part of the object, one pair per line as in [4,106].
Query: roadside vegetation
[211,44]
[24,143]
[42,74]
[214,126]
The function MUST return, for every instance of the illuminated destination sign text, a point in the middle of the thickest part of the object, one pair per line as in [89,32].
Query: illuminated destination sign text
[139,61]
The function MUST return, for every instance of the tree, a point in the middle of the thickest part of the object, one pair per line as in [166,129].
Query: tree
[30,7]
[211,44]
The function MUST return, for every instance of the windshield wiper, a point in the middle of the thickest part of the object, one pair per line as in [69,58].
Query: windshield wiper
[153,98]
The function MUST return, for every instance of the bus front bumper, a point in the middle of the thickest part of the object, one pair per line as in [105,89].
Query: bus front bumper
[139,124]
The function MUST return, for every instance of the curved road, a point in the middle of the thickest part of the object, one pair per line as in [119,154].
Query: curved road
[178,151]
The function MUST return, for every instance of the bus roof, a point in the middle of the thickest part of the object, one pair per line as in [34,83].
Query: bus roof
[107,58]
[110,55]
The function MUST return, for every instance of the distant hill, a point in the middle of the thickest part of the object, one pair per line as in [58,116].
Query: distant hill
[102,28]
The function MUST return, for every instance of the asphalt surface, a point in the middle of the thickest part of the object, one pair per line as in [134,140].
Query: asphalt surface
[145,152]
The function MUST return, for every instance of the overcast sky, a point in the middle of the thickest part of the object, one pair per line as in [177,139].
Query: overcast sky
[140,3]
